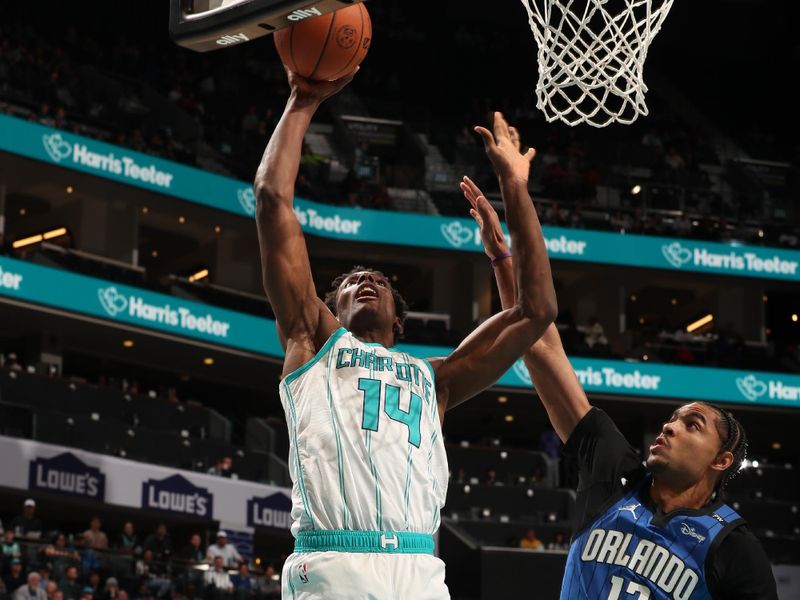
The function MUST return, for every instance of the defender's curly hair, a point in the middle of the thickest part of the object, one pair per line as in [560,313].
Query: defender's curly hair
[734,440]
[331,297]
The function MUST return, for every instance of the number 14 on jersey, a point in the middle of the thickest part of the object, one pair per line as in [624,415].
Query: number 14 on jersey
[373,389]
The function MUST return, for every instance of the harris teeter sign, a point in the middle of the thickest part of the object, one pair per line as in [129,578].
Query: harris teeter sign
[148,310]
[128,167]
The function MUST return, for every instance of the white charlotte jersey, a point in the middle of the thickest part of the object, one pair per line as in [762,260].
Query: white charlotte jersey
[365,442]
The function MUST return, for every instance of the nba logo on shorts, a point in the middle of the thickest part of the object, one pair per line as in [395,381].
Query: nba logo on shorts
[303,573]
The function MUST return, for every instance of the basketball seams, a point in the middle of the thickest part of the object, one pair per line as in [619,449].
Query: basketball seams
[344,70]
[291,49]
[327,47]
[324,46]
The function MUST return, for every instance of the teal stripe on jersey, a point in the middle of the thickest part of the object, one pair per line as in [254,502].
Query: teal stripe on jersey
[374,469]
[436,517]
[430,368]
[300,481]
[408,487]
[325,348]
[339,457]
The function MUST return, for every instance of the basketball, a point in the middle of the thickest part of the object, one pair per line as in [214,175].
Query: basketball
[328,47]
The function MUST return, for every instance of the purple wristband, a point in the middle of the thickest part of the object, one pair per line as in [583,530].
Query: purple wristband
[500,257]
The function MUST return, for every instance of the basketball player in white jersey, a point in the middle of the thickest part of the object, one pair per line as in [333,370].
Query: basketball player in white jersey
[366,455]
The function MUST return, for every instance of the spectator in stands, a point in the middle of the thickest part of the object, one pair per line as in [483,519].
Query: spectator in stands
[651,139]
[26,525]
[153,574]
[111,590]
[89,560]
[12,364]
[60,556]
[50,590]
[31,591]
[559,542]
[14,578]
[44,577]
[193,551]
[93,581]
[595,335]
[86,594]
[159,543]
[675,165]
[230,556]
[10,548]
[460,476]
[217,581]
[58,595]
[70,585]
[491,476]
[271,584]
[96,537]
[128,541]
[223,468]
[531,542]
[244,583]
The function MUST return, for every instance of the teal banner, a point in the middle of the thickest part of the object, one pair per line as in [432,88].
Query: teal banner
[133,306]
[114,302]
[395,228]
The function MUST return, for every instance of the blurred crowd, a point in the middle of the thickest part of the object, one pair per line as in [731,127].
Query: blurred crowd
[38,563]
[660,177]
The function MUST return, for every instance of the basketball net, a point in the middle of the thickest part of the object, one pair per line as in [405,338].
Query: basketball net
[591,57]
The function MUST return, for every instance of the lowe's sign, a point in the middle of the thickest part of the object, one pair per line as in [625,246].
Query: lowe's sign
[67,474]
[396,228]
[148,310]
[177,494]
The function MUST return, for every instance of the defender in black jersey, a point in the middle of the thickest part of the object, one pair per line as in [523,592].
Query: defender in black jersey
[656,529]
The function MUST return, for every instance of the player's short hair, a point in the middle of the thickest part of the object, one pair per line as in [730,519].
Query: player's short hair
[332,296]
[734,440]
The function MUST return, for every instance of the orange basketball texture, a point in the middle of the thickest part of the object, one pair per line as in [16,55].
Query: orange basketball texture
[327,47]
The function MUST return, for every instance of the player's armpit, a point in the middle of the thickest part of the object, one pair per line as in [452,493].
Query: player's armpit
[487,353]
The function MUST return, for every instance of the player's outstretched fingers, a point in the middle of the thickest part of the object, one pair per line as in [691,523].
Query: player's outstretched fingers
[500,127]
[488,138]
[475,215]
[474,189]
[515,138]
[530,154]
[468,193]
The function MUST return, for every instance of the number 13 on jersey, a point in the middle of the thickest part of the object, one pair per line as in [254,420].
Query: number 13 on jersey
[372,390]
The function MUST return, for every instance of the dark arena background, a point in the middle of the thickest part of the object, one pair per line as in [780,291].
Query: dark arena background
[139,364]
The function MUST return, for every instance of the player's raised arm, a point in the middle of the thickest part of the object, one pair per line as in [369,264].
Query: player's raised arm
[303,320]
[551,372]
[494,346]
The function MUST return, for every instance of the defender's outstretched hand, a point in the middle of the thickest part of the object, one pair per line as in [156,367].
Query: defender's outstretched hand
[503,148]
[308,92]
[494,242]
